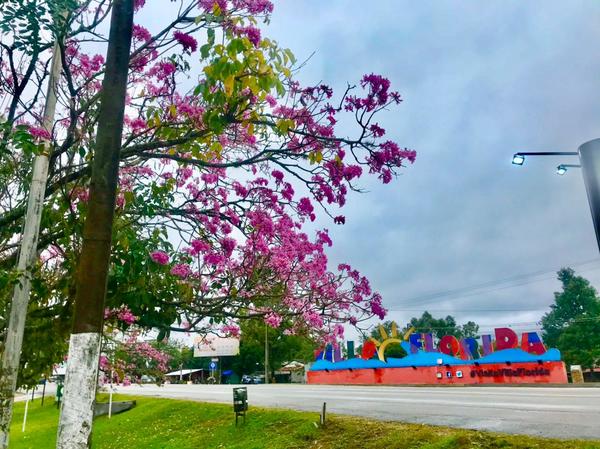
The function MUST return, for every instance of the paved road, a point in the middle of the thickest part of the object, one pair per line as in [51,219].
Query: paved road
[541,411]
[50,391]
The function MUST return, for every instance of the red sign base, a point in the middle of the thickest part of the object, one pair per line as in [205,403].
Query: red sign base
[493,373]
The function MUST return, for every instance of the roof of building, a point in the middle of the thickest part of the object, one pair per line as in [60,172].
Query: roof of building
[183,372]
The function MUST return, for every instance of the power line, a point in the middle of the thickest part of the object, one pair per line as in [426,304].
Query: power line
[479,289]
[469,310]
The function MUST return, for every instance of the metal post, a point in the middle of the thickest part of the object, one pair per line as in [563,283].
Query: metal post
[26,410]
[589,154]
[44,390]
[110,395]
[266,353]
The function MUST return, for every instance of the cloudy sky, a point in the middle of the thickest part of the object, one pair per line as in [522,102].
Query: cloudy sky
[480,81]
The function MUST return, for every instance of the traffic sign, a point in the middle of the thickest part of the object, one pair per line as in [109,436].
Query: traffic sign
[212,365]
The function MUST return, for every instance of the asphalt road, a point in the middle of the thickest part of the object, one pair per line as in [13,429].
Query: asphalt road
[541,411]
[50,391]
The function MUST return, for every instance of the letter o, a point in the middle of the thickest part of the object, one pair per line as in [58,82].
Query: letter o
[449,345]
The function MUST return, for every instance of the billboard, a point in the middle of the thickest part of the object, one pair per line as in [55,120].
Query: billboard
[214,346]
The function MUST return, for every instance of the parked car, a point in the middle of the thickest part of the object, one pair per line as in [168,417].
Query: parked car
[247,379]
[253,379]
[258,379]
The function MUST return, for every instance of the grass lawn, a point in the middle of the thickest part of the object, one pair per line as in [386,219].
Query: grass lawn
[166,423]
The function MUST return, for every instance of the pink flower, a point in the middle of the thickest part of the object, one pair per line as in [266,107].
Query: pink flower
[231,330]
[273,319]
[160,257]
[277,175]
[254,6]
[208,5]
[181,270]
[305,207]
[187,41]
[253,34]
[39,133]
[229,245]
[126,316]
[377,308]
[271,101]
[141,34]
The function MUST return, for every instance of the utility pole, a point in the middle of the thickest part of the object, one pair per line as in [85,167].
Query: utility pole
[589,155]
[77,411]
[266,353]
[27,257]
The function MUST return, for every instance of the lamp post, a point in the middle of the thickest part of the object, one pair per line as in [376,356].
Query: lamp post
[589,157]
[266,354]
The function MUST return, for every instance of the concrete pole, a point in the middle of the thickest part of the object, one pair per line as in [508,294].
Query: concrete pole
[589,155]
[27,256]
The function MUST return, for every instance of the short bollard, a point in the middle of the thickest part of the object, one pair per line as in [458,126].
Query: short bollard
[323,413]
[59,393]
[240,403]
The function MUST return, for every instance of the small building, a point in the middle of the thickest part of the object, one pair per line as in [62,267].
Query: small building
[187,376]
[291,372]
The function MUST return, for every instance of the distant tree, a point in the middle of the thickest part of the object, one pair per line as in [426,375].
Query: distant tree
[573,322]
[393,350]
[442,326]
[283,347]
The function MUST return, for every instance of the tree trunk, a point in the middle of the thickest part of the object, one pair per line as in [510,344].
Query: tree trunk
[75,425]
[27,257]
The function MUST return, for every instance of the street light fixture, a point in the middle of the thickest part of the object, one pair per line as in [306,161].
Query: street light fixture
[589,156]
[518,159]
[562,168]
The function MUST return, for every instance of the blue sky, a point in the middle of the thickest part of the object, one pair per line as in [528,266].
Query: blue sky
[481,80]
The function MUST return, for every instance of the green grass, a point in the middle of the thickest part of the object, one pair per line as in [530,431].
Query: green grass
[166,423]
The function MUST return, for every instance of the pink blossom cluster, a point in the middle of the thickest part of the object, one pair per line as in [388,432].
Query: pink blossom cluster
[122,314]
[231,330]
[160,257]
[39,133]
[187,41]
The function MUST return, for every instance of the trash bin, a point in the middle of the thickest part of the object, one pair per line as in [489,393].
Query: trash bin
[240,402]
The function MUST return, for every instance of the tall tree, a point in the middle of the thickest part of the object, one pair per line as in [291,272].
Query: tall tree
[218,180]
[283,347]
[77,411]
[439,327]
[573,322]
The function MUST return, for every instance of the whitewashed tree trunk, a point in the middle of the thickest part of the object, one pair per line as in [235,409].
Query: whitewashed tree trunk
[77,409]
[75,425]
[27,256]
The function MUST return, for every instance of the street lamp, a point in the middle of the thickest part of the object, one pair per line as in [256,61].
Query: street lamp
[589,156]
[562,168]
[518,159]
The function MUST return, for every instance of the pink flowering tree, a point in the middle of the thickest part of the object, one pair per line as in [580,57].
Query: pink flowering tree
[226,161]
[126,356]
